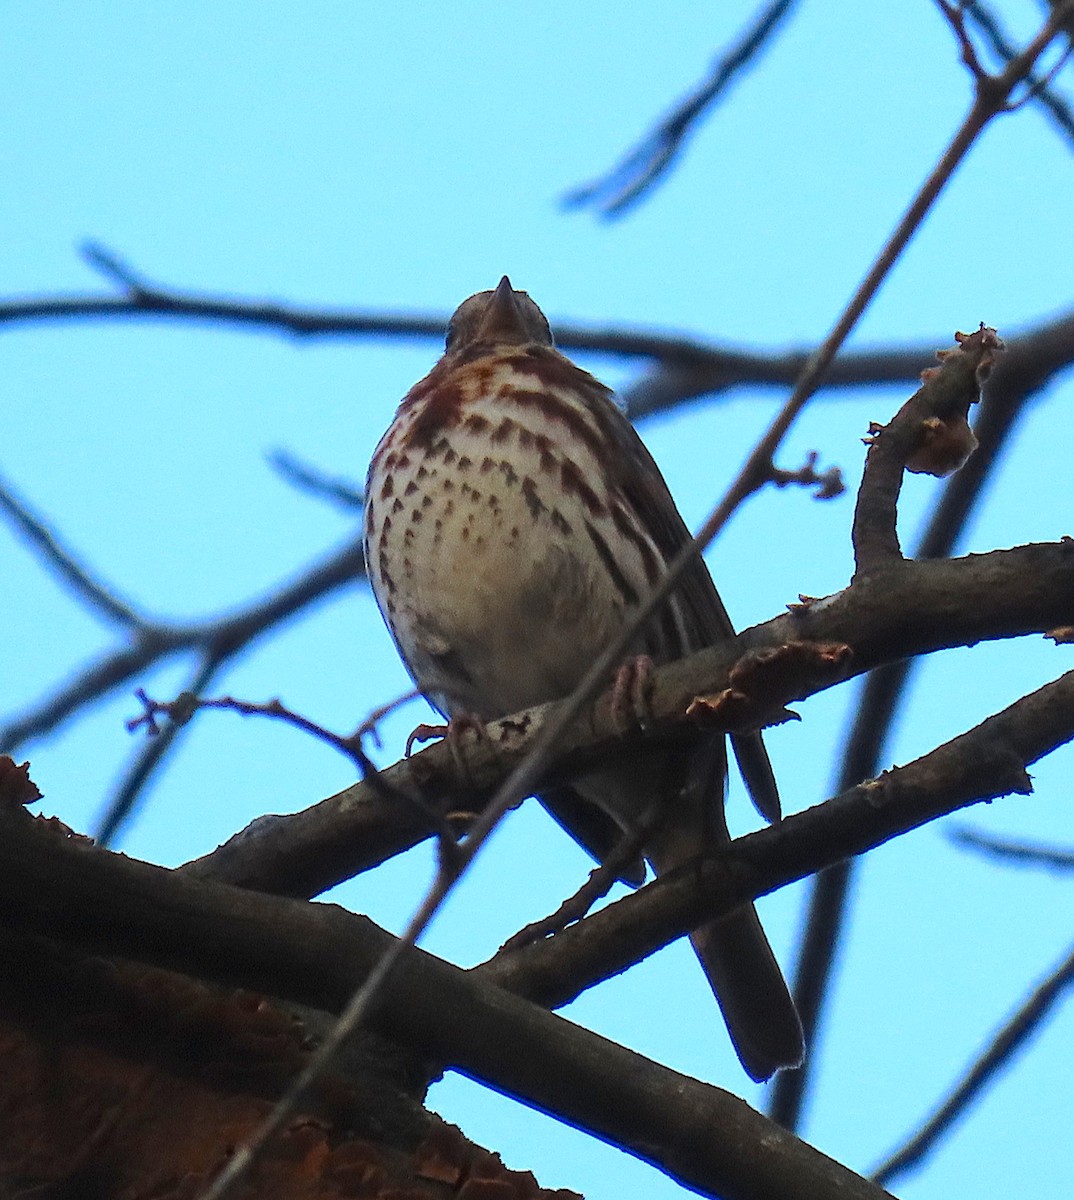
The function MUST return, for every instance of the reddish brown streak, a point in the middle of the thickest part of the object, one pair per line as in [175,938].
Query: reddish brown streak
[435,401]
[573,481]
[438,400]
[650,560]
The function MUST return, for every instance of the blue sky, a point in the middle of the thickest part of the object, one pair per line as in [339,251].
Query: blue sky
[400,158]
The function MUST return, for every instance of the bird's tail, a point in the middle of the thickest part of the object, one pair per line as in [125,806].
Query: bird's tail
[753,997]
[734,952]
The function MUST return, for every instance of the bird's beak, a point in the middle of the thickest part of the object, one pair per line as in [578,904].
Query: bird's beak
[503,320]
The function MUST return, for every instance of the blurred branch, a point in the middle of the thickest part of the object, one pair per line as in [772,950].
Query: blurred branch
[1055,105]
[1003,1047]
[644,166]
[687,368]
[1011,852]
[917,609]
[95,595]
[341,492]
[726,366]
[215,642]
[829,483]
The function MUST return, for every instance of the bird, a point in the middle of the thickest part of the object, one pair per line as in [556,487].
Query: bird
[514,521]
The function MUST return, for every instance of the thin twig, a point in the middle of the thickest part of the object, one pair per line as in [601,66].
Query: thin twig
[601,880]
[114,268]
[219,640]
[1055,105]
[97,597]
[829,483]
[644,166]
[121,806]
[181,711]
[370,725]
[341,492]
[1007,1041]
[1014,852]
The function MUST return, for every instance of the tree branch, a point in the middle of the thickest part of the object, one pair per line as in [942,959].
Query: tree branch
[649,162]
[1016,377]
[984,763]
[1004,1045]
[63,888]
[216,641]
[920,608]
[318,954]
[689,367]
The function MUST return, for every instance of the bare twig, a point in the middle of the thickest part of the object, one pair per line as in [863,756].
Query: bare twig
[187,703]
[96,596]
[341,492]
[1015,852]
[930,434]
[114,268]
[180,712]
[369,726]
[644,166]
[1055,105]
[829,483]
[148,762]
[1005,1043]
[600,882]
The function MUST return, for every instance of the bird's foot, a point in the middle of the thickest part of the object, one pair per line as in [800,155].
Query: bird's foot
[453,733]
[632,694]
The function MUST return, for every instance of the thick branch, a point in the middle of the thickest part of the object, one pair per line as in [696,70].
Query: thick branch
[318,954]
[987,762]
[918,608]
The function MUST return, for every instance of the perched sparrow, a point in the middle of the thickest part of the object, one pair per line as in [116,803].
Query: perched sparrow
[513,521]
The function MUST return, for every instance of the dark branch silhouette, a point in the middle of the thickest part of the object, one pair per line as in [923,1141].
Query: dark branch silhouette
[1014,853]
[651,160]
[316,955]
[1003,1047]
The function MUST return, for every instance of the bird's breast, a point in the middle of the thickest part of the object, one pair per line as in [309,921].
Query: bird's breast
[496,553]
